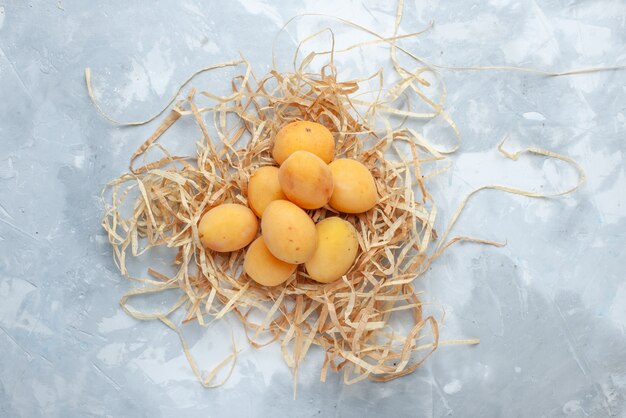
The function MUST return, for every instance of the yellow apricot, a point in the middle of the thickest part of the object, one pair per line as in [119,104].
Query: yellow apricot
[306,136]
[306,180]
[354,189]
[263,188]
[227,227]
[336,250]
[262,267]
[288,232]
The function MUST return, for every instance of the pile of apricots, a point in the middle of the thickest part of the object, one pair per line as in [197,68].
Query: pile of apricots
[307,177]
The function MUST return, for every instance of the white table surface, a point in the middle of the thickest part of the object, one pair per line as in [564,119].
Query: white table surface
[549,308]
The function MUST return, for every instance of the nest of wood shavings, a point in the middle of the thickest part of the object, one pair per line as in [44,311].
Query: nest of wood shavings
[348,319]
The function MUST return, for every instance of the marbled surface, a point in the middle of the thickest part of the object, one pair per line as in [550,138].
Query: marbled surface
[549,308]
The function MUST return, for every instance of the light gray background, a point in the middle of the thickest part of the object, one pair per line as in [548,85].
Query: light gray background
[549,308]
